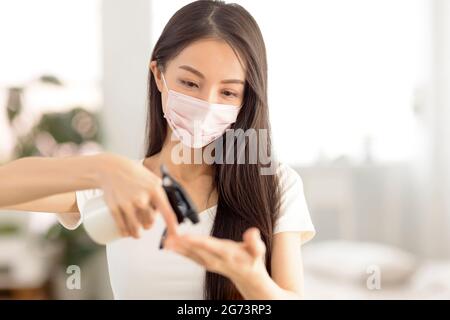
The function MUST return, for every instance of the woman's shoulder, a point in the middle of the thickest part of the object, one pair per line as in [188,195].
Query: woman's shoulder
[294,212]
[288,176]
[290,183]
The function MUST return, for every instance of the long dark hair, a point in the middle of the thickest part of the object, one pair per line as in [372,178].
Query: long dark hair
[245,197]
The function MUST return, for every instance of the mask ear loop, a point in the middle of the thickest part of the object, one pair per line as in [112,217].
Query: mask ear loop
[167,88]
[165,83]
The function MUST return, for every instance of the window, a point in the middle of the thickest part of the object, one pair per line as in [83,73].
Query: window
[343,75]
[59,38]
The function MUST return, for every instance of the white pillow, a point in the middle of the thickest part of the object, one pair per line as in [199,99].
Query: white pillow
[357,261]
[432,280]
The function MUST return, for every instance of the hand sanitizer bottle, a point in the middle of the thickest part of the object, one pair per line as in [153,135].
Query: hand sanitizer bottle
[99,222]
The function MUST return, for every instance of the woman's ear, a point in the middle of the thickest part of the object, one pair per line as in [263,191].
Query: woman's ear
[156,74]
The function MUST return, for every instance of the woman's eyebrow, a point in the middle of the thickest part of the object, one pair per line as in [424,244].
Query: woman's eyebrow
[194,71]
[233,81]
[199,74]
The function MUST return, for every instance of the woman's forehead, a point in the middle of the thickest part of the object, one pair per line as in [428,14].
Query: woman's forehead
[213,58]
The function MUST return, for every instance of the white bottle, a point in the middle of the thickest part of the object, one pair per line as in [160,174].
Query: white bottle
[99,222]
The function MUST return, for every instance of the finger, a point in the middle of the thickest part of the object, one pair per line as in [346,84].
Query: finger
[207,260]
[160,201]
[191,255]
[120,222]
[143,207]
[253,241]
[220,248]
[151,215]
[128,226]
[142,200]
[131,219]
[146,217]
[202,257]
[170,241]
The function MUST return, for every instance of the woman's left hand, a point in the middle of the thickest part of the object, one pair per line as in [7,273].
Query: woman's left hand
[236,260]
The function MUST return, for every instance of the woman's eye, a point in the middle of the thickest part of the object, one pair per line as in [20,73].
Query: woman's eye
[189,84]
[228,93]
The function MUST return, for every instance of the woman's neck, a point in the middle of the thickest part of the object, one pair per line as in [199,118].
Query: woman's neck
[197,178]
[180,162]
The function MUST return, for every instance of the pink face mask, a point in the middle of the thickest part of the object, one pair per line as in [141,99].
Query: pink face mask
[196,122]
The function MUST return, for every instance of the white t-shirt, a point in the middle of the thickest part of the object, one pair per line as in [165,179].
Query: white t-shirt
[138,269]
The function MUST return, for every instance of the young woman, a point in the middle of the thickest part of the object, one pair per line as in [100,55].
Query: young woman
[207,68]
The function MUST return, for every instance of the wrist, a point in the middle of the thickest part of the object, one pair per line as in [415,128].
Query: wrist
[256,285]
[262,287]
[97,167]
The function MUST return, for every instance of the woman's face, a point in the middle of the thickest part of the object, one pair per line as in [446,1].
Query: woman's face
[207,69]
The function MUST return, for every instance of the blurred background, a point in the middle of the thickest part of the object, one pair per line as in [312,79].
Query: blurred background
[359,95]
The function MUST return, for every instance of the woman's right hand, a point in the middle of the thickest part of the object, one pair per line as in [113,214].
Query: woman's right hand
[134,194]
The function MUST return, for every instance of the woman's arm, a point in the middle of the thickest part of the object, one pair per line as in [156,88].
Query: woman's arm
[28,179]
[64,205]
[133,193]
[24,182]
[243,262]
[287,272]
[58,203]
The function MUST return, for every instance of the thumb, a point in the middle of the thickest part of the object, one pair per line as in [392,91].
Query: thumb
[252,238]
[161,202]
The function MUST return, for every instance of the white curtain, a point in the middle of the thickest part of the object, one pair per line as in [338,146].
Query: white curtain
[435,230]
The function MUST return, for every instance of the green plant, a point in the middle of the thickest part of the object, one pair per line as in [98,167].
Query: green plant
[8,229]
[77,244]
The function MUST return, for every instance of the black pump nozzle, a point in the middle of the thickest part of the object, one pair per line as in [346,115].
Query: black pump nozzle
[180,201]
